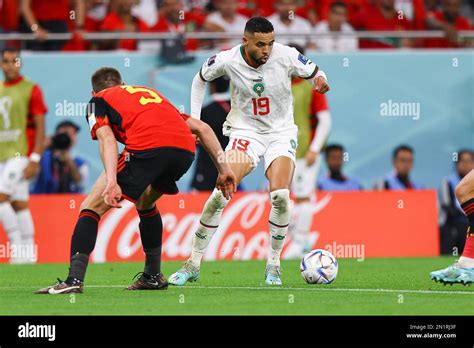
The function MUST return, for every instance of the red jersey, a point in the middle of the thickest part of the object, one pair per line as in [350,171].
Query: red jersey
[112,22]
[461,23]
[140,117]
[50,10]
[371,19]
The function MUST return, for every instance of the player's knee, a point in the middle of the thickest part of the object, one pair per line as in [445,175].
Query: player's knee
[19,205]
[143,204]
[280,200]
[99,207]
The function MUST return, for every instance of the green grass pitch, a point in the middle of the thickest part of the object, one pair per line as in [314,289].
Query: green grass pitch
[370,287]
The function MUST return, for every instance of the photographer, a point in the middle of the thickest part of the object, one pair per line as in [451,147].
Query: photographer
[60,171]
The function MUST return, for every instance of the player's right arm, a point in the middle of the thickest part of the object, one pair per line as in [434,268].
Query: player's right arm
[226,181]
[99,124]
[109,154]
[212,68]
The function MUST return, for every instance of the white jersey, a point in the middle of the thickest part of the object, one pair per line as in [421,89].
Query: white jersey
[261,99]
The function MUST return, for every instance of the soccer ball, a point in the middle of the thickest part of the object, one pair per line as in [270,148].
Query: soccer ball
[319,267]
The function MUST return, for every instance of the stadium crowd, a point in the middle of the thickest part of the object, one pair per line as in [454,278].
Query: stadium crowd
[42,17]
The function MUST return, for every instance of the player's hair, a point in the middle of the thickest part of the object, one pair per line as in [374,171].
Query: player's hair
[299,48]
[105,77]
[337,4]
[11,50]
[258,25]
[333,147]
[402,148]
[463,152]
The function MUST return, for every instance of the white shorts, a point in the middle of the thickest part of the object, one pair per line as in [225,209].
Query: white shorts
[12,182]
[268,146]
[304,179]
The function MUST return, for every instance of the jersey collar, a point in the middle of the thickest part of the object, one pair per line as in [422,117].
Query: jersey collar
[14,82]
[245,57]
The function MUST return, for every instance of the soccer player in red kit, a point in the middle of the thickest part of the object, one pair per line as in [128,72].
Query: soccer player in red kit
[159,149]
[462,271]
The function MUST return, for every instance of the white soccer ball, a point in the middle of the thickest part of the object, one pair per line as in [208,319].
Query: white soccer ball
[319,267]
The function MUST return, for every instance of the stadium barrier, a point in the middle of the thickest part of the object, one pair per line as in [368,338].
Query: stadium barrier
[349,224]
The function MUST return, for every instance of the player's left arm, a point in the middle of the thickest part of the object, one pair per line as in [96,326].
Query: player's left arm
[38,109]
[226,181]
[304,68]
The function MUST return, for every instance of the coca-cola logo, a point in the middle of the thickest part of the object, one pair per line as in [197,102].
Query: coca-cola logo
[242,233]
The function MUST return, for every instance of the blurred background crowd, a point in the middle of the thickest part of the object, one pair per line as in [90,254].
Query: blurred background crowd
[312,17]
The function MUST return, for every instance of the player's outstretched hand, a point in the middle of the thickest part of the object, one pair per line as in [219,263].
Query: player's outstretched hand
[112,194]
[321,85]
[226,182]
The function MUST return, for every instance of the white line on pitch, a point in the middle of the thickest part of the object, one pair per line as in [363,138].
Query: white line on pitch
[315,288]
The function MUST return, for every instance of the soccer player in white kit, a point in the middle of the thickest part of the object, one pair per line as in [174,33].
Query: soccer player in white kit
[260,125]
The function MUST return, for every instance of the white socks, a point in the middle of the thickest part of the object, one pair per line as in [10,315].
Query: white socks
[27,231]
[466,262]
[302,225]
[210,219]
[278,223]
[9,221]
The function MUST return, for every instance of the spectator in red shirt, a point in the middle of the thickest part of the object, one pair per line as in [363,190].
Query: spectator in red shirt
[323,7]
[95,12]
[450,21]
[8,19]
[44,16]
[121,19]
[382,17]
[173,19]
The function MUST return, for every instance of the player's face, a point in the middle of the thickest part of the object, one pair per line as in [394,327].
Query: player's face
[403,163]
[465,164]
[259,46]
[11,65]
[335,160]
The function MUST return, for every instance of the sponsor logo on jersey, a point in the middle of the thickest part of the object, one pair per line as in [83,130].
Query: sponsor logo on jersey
[303,59]
[258,88]
[211,60]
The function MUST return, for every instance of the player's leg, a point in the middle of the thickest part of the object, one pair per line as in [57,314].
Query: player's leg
[241,164]
[151,232]
[83,240]
[279,174]
[463,270]
[303,189]
[27,228]
[11,176]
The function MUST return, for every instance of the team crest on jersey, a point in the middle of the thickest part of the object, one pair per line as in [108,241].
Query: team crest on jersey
[258,88]
[303,59]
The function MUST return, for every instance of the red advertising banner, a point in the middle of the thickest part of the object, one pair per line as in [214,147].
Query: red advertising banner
[349,224]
